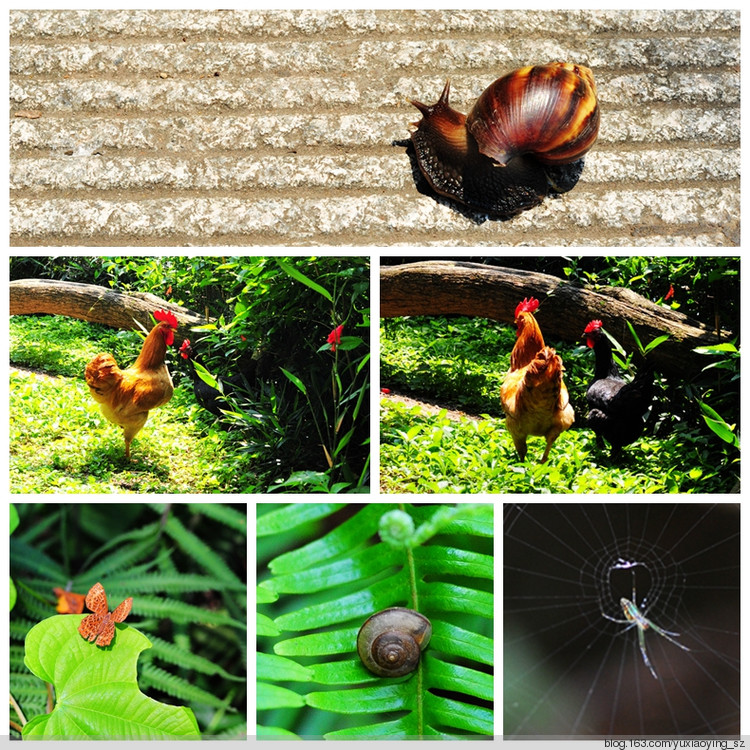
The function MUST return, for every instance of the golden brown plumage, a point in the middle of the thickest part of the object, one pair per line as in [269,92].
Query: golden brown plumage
[127,396]
[534,397]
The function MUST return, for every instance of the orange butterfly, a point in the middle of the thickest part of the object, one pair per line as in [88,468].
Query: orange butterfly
[68,603]
[100,626]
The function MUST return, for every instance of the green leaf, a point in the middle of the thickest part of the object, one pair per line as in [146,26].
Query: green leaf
[294,380]
[295,274]
[96,688]
[635,336]
[14,521]
[718,425]
[178,687]
[274,696]
[199,550]
[715,349]
[264,625]
[222,513]
[294,515]
[653,344]
[275,668]
[387,697]
[205,375]
[341,573]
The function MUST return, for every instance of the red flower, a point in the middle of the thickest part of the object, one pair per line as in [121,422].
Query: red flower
[334,337]
[385,390]
[670,293]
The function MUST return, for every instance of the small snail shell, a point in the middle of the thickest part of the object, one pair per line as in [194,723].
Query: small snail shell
[538,115]
[391,641]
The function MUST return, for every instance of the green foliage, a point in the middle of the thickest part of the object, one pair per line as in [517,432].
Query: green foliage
[423,452]
[453,359]
[184,570]
[96,688]
[705,287]
[62,346]
[324,572]
[722,386]
[60,442]
[680,451]
[272,315]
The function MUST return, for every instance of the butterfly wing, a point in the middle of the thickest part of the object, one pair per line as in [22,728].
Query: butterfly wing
[123,610]
[90,627]
[107,634]
[96,600]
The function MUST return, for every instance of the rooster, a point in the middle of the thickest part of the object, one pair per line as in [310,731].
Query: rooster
[127,396]
[534,397]
[616,408]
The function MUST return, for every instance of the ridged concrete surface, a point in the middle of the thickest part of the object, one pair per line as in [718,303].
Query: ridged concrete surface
[289,127]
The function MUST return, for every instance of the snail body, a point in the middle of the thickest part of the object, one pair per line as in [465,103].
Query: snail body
[391,641]
[524,137]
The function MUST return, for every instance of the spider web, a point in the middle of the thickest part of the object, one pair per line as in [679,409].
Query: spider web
[570,670]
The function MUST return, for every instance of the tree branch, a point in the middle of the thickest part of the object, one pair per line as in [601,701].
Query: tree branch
[445,287]
[95,304]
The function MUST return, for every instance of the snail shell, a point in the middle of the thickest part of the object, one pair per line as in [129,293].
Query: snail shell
[391,641]
[531,122]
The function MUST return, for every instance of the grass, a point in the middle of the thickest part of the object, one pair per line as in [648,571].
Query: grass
[61,443]
[462,361]
[432,453]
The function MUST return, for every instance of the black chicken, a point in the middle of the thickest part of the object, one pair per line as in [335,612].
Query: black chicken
[211,398]
[616,408]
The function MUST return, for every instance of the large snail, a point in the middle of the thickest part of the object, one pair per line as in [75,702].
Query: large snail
[391,641]
[523,139]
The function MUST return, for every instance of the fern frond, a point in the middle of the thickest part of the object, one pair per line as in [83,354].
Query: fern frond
[293,516]
[19,629]
[32,604]
[173,654]
[26,558]
[16,663]
[223,514]
[173,583]
[237,731]
[198,550]
[122,558]
[177,687]
[341,540]
[349,572]
[180,612]
[142,534]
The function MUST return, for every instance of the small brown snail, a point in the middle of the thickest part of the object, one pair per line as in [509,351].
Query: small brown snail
[523,138]
[391,641]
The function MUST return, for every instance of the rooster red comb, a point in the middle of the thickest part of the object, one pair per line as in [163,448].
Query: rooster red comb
[528,305]
[166,317]
[185,349]
[594,325]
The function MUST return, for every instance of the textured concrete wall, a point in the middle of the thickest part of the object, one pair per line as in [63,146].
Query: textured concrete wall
[288,127]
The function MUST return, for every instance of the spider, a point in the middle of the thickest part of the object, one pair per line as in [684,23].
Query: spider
[635,618]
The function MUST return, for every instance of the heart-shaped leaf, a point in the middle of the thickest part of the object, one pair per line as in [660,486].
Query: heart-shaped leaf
[97,688]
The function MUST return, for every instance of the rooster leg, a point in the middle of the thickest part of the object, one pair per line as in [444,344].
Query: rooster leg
[550,439]
[131,430]
[521,448]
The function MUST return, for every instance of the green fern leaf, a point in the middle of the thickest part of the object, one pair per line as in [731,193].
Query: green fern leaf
[181,612]
[27,558]
[223,514]
[336,575]
[177,687]
[173,654]
[198,550]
